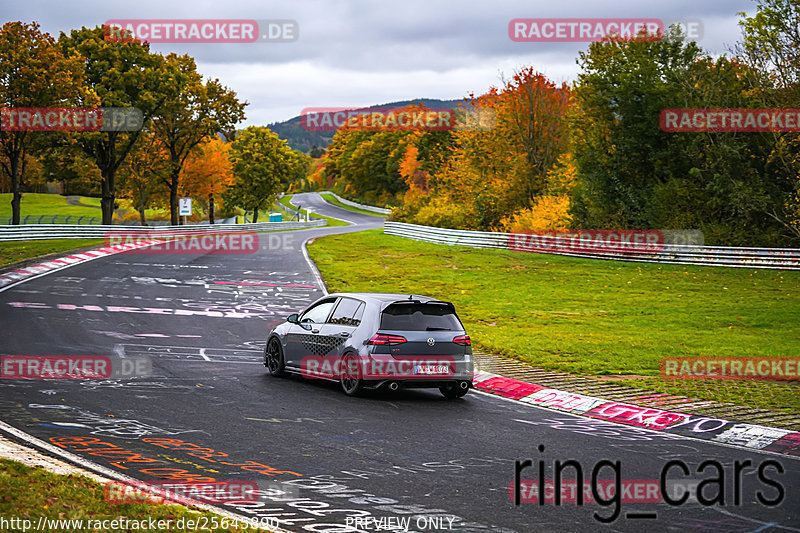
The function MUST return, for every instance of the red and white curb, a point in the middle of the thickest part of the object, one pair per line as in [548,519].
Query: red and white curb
[764,438]
[8,279]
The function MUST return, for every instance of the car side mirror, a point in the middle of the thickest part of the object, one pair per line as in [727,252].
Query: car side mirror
[293,318]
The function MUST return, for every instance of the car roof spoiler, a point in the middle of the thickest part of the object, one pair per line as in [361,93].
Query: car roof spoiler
[411,300]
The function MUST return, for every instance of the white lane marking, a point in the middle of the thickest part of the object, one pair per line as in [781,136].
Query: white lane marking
[327,204]
[313,267]
[203,354]
[69,264]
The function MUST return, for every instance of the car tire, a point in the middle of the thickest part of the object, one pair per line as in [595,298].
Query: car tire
[273,358]
[451,391]
[351,382]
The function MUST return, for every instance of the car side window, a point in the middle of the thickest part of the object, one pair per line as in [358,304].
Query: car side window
[317,314]
[348,312]
[358,314]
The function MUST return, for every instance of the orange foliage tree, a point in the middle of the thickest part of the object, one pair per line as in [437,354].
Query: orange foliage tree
[206,174]
[504,150]
[142,177]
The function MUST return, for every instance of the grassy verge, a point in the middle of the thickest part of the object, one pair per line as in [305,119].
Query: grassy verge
[13,252]
[33,492]
[588,317]
[331,221]
[331,199]
[49,204]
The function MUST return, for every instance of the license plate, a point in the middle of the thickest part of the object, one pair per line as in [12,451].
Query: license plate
[432,369]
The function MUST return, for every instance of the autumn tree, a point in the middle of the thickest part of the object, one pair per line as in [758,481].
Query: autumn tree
[263,165]
[208,173]
[530,113]
[771,44]
[144,176]
[63,161]
[118,74]
[199,111]
[620,151]
[34,72]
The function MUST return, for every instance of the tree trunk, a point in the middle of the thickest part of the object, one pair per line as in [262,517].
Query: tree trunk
[141,206]
[16,190]
[210,208]
[107,201]
[15,210]
[255,215]
[173,196]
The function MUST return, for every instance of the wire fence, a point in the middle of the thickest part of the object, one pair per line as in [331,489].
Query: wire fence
[52,219]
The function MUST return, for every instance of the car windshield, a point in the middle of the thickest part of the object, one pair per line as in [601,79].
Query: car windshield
[415,316]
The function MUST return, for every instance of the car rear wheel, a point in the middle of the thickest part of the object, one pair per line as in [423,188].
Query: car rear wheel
[350,378]
[273,358]
[452,391]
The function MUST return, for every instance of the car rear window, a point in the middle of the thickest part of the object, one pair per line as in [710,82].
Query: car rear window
[420,317]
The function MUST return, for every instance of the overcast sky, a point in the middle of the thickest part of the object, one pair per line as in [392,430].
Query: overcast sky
[359,52]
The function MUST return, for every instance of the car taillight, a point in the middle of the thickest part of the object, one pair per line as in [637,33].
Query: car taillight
[378,338]
[463,339]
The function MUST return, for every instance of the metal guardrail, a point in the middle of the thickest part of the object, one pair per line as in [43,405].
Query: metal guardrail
[379,210]
[75,231]
[74,219]
[286,209]
[773,258]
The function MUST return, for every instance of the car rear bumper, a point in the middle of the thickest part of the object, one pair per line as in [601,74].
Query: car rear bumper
[419,383]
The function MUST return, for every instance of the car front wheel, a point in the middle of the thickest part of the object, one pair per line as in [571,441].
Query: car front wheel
[273,358]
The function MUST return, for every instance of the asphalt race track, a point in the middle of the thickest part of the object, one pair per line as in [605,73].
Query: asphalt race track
[211,410]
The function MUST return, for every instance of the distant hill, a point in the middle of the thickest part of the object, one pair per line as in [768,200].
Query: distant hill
[298,138]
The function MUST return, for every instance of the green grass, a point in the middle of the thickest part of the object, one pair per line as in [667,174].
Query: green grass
[331,221]
[149,213]
[331,199]
[13,252]
[49,204]
[583,316]
[33,492]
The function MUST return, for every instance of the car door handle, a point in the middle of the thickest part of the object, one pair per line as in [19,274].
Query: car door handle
[344,334]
